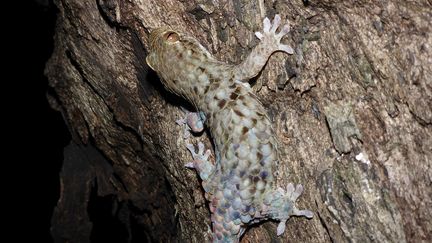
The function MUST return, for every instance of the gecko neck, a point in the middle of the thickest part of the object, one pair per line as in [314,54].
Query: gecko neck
[206,80]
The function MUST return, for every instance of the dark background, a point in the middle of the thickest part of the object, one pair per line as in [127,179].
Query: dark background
[36,134]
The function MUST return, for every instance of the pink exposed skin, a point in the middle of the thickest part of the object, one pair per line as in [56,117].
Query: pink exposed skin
[240,185]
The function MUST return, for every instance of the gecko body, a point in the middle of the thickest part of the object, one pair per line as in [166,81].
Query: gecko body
[240,185]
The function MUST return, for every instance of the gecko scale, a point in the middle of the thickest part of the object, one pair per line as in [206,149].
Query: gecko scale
[240,185]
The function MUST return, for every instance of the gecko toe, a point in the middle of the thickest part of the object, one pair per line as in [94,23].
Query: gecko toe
[191,149]
[285,30]
[259,35]
[190,165]
[267,25]
[281,227]
[276,23]
[286,48]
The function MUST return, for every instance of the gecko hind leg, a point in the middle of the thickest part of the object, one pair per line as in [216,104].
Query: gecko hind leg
[282,205]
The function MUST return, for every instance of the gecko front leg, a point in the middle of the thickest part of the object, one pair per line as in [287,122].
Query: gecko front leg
[269,43]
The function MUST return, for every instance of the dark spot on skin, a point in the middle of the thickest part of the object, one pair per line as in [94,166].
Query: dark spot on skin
[238,186]
[234,165]
[256,179]
[195,89]
[206,88]
[259,156]
[202,69]
[211,78]
[262,162]
[233,96]
[263,175]
[227,205]
[175,81]
[232,86]
[237,90]
[242,173]
[242,97]
[252,190]
[260,113]
[238,113]
[230,127]
[245,130]
[226,136]
[221,103]
[254,121]
[180,55]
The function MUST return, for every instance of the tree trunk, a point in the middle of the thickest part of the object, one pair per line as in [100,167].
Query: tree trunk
[351,109]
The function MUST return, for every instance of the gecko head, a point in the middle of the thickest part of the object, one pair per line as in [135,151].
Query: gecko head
[159,40]
[169,46]
[175,57]
[163,58]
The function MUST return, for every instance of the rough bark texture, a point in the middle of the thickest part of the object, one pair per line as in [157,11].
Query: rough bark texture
[352,110]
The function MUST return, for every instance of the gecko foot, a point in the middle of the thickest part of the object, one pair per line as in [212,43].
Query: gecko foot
[271,38]
[200,161]
[282,205]
[195,122]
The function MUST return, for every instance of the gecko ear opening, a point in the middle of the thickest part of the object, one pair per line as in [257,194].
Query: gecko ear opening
[171,37]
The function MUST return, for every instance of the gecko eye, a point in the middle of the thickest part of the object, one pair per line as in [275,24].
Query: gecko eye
[172,37]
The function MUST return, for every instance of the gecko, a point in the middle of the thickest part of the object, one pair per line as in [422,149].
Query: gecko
[240,185]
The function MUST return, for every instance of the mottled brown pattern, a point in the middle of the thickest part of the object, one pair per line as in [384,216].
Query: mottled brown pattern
[233,96]
[221,104]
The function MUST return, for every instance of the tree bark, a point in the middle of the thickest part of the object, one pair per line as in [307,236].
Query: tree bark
[351,108]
